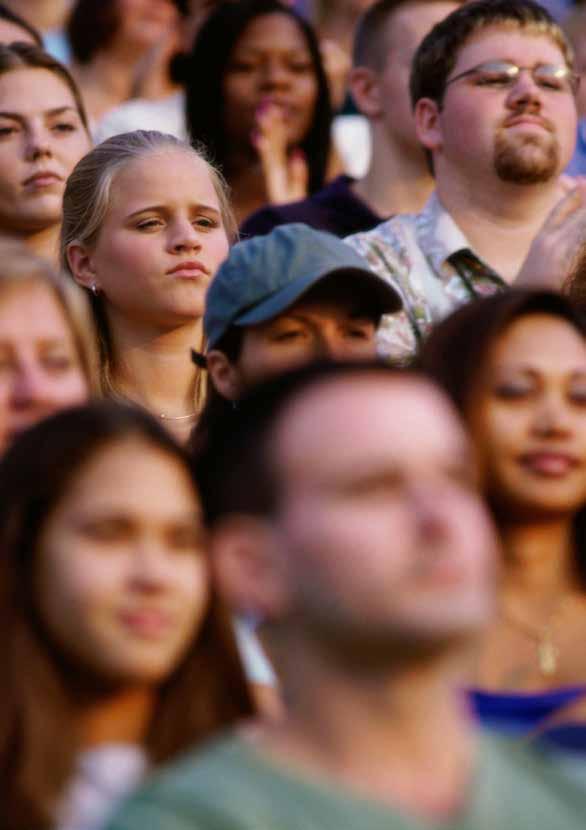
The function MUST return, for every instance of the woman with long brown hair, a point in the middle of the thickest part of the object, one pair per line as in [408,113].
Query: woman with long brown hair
[515,366]
[43,134]
[116,654]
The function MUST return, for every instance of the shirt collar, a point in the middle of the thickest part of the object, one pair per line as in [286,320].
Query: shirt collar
[438,235]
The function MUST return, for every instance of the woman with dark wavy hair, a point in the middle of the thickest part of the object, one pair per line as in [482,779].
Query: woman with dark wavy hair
[515,366]
[116,654]
[257,97]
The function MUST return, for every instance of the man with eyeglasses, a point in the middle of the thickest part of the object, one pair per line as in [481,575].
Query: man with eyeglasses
[493,91]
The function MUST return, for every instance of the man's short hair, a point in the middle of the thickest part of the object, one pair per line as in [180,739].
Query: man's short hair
[371,41]
[236,469]
[438,52]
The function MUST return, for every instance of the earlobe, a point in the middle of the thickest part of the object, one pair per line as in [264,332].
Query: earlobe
[81,266]
[428,124]
[223,374]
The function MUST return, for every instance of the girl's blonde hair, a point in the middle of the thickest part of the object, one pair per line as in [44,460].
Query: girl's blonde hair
[19,267]
[86,202]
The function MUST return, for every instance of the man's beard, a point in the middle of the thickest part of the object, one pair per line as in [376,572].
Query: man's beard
[515,161]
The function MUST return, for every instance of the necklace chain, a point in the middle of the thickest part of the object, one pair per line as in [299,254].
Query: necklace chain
[116,393]
[190,417]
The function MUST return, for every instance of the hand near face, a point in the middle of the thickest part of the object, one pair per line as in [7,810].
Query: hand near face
[286,174]
[557,255]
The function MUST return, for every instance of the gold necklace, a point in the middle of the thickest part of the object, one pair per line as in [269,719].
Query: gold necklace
[190,417]
[114,392]
[548,653]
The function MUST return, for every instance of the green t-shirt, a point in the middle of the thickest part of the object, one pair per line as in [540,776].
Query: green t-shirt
[232,786]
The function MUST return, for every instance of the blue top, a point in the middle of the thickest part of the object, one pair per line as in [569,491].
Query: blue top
[520,713]
[577,165]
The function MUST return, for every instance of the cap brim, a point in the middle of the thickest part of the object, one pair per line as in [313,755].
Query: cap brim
[387,298]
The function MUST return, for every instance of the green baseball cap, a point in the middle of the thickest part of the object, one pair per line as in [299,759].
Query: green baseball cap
[264,276]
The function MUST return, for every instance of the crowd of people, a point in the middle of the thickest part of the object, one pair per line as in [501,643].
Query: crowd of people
[292,415]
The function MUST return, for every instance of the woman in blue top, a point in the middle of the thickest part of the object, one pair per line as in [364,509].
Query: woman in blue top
[515,366]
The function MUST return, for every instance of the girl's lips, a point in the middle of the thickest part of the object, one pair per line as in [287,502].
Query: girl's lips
[148,624]
[549,464]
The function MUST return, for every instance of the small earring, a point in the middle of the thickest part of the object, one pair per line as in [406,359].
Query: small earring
[94,289]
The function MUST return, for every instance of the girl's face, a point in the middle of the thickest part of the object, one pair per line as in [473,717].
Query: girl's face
[41,140]
[161,242]
[528,418]
[40,369]
[270,64]
[122,577]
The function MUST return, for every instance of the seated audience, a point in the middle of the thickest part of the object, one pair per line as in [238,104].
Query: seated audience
[43,134]
[117,655]
[264,110]
[146,223]
[294,296]
[364,549]
[47,356]
[499,134]
[515,366]
[398,179]
[109,39]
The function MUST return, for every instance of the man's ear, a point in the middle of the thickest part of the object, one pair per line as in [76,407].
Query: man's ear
[428,124]
[248,566]
[365,89]
[82,267]
[223,374]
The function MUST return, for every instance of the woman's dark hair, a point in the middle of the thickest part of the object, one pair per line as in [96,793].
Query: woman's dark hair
[216,405]
[209,58]
[207,691]
[457,349]
[10,16]
[91,26]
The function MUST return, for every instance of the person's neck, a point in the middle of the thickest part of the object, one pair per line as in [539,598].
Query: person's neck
[397,181]
[121,717]
[44,243]
[246,179]
[539,560]
[153,368]
[499,219]
[381,734]
[43,14]
[108,80]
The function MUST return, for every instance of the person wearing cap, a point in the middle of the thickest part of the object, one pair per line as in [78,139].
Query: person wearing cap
[287,298]
[291,297]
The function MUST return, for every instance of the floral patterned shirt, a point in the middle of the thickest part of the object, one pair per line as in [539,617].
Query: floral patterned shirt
[428,260]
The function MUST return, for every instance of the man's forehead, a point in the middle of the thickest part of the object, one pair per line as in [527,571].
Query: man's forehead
[348,420]
[504,40]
